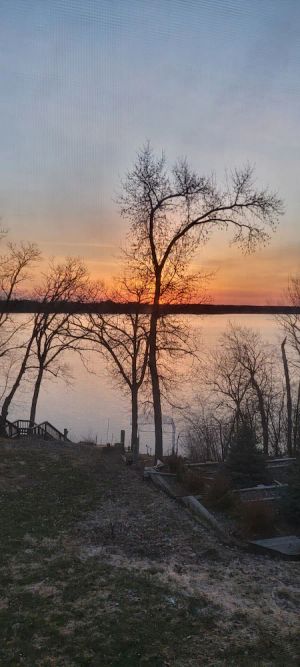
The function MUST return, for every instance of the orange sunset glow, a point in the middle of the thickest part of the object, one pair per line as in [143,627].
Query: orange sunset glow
[84,119]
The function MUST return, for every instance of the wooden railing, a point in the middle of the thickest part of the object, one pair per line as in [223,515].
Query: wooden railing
[44,431]
[53,432]
[27,429]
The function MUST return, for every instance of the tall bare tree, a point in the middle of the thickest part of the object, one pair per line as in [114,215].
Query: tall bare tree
[172,213]
[289,404]
[290,325]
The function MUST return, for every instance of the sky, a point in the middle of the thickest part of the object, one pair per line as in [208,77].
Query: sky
[84,83]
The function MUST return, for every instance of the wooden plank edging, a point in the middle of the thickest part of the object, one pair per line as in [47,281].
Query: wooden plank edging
[190,502]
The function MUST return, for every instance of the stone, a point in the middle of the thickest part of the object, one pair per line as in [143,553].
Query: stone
[287,546]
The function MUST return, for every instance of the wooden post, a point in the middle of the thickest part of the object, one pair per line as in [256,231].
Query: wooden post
[122,438]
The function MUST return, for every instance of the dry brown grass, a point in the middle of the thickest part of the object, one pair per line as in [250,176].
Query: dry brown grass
[256,518]
[157,590]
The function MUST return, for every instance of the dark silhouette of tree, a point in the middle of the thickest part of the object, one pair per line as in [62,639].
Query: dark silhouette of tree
[255,361]
[227,380]
[245,461]
[291,498]
[289,404]
[206,435]
[123,340]
[173,213]
[68,281]
[15,271]
[25,350]
[290,324]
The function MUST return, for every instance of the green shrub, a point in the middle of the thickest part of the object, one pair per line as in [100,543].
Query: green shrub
[176,466]
[291,499]
[245,462]
[219,494]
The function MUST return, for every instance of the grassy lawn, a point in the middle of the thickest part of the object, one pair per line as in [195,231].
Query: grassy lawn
[81,586]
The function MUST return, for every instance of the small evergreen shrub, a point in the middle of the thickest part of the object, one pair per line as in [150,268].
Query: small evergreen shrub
[176,466]
[219,494]
[291,500]
[245,462]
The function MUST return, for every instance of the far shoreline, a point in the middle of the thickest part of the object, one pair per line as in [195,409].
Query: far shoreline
[28,306]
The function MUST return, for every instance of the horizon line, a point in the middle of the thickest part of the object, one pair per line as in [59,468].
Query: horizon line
[110,307]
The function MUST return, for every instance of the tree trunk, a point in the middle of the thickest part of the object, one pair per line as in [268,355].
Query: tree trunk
[296,425]
[2,427]
[155,377]
[134,424]
[289,407]
[36,392]
[263,416]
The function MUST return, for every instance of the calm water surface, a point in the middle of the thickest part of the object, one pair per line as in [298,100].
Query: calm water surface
[93,407]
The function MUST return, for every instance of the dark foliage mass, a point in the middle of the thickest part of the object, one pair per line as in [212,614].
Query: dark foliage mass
[245,461]
[291,499]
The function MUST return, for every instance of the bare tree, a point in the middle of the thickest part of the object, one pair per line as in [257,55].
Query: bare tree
[256,362]
[289,405]
[296,422]
[206,435]
[227,380]
[242,381]
[290,325]
[24,352]
[124,342]
[15,270]
[68,281]
[276,419]
[172,213]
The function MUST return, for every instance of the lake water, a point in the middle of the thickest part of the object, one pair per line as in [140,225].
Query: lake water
[94,408]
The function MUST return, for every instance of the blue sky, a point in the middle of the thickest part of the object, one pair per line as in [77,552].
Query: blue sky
[84,84]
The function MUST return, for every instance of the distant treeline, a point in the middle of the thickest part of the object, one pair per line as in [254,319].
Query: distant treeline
[115,308]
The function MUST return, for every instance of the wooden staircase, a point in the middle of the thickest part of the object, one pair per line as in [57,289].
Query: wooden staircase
[22,428]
